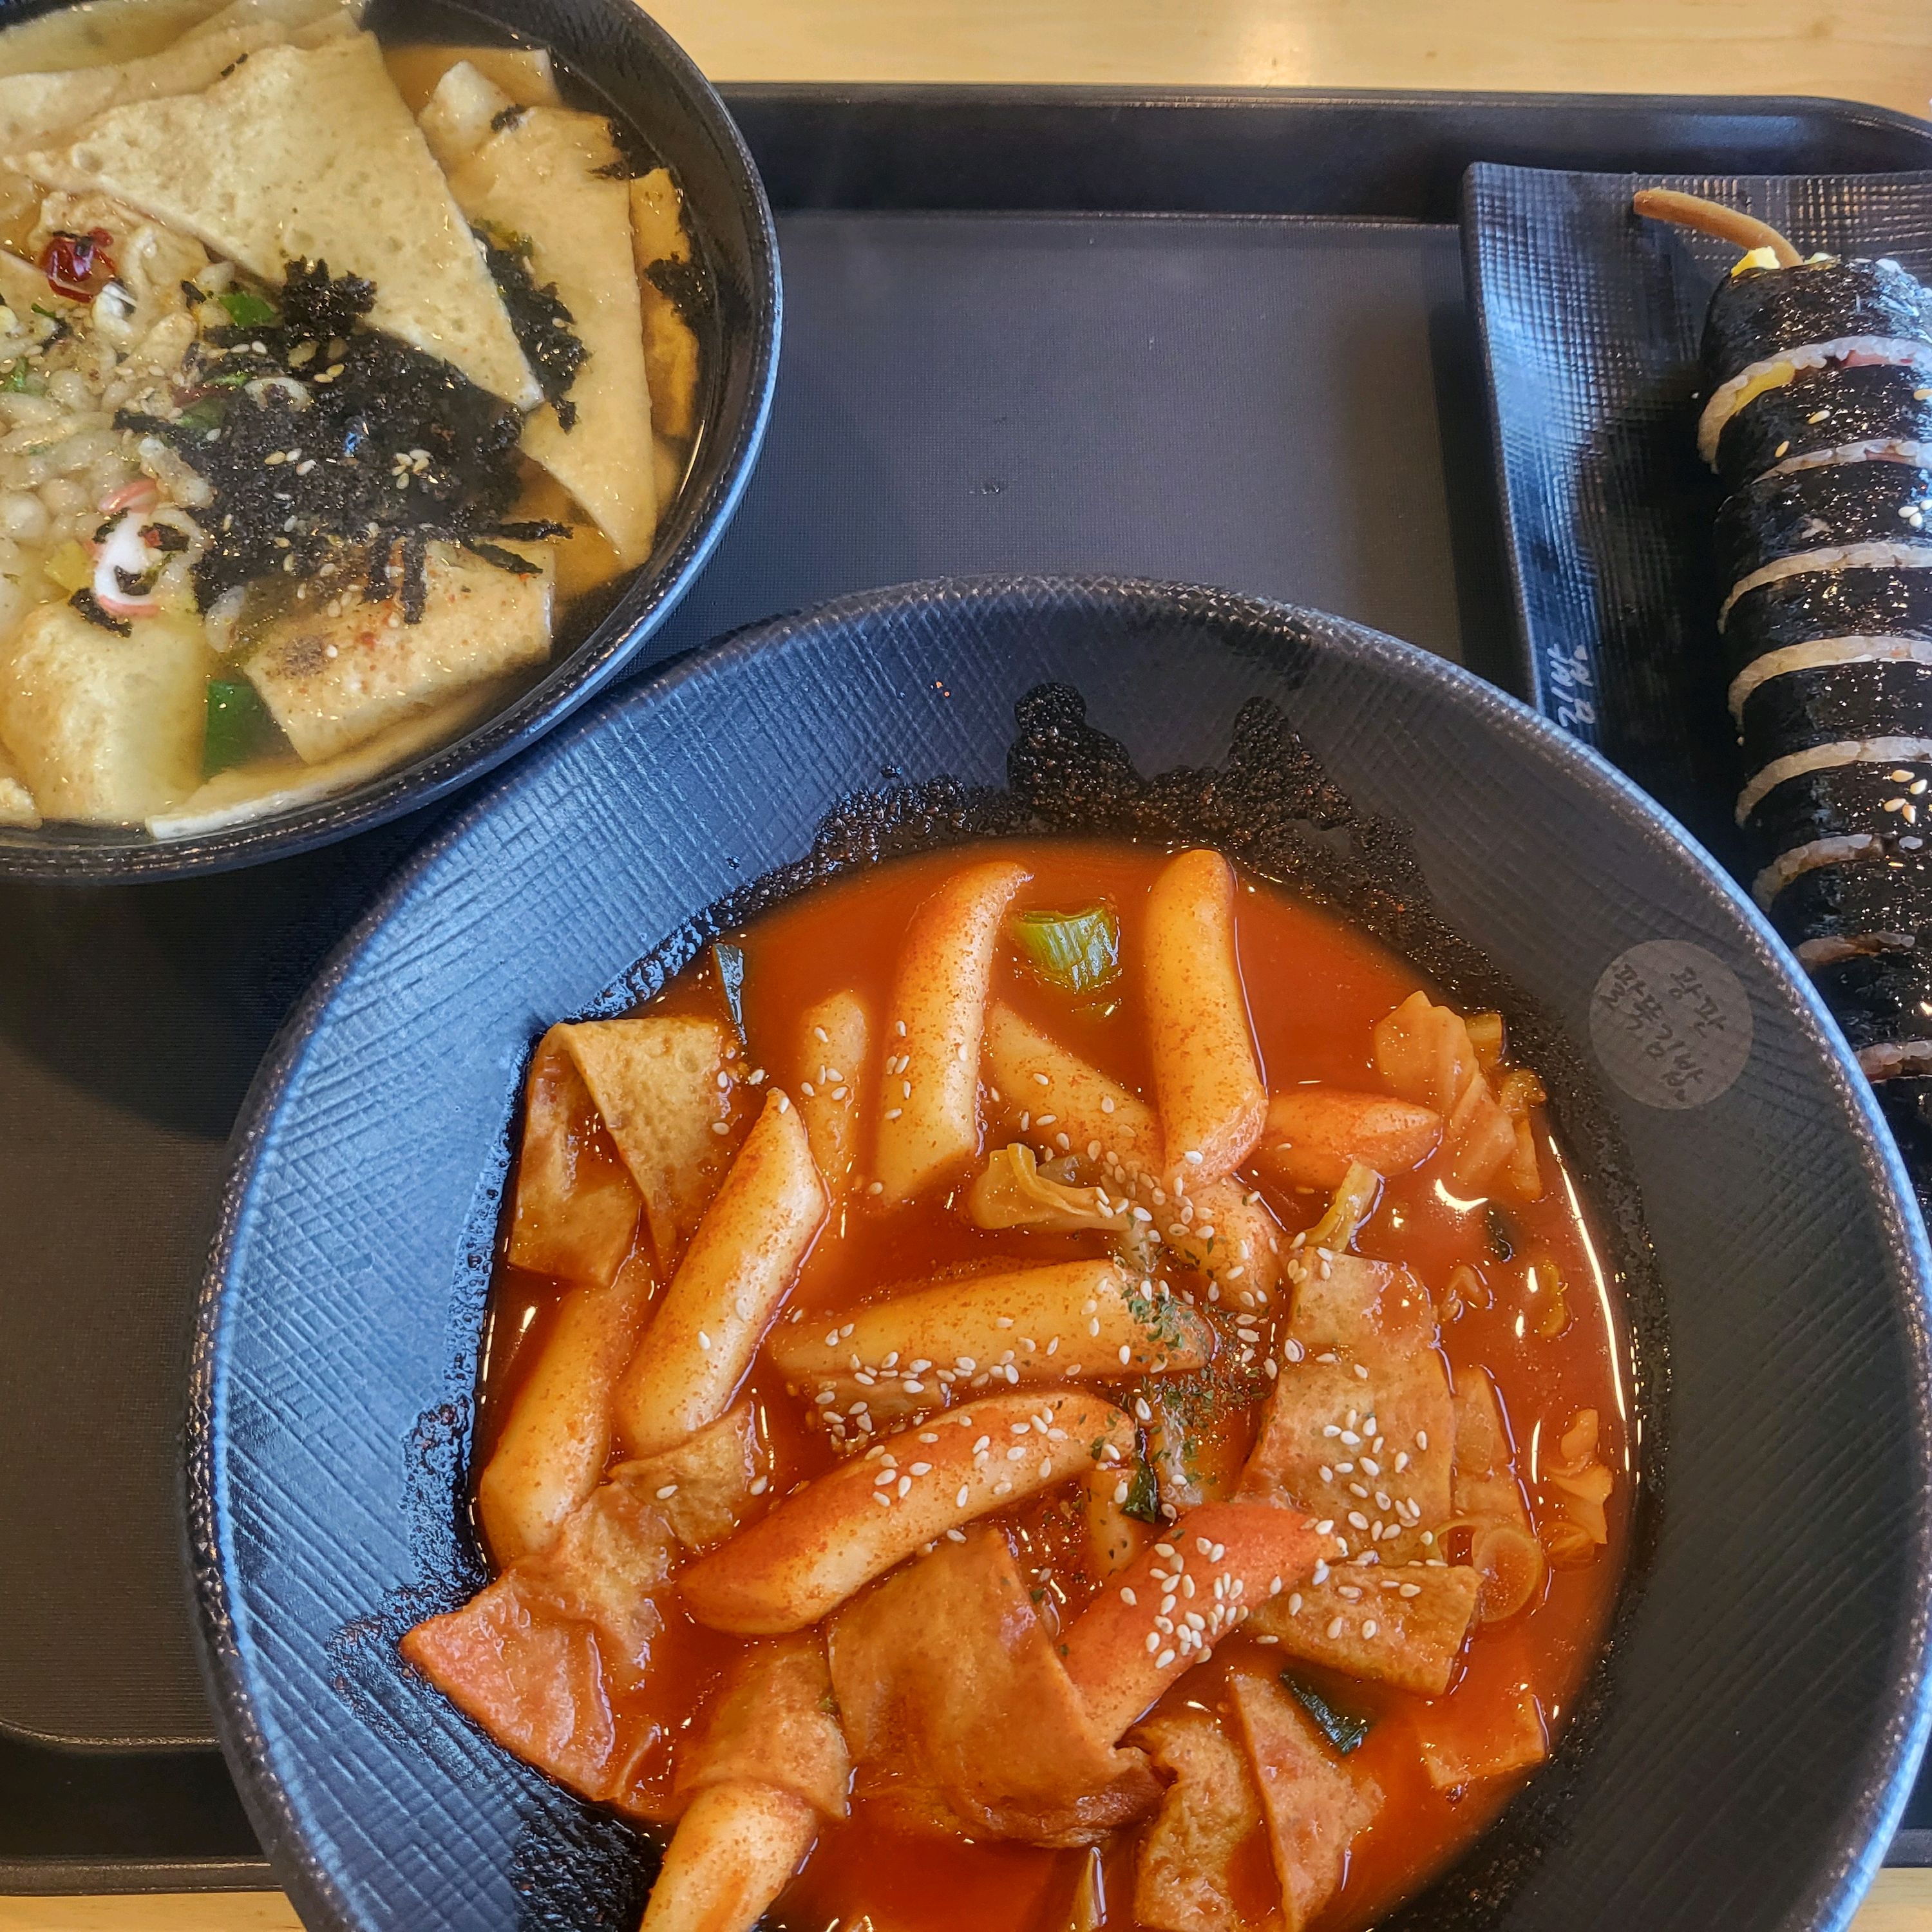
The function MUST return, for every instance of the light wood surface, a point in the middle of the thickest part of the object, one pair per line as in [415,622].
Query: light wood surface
[1874,50]
[1901,1901]
[1871,50]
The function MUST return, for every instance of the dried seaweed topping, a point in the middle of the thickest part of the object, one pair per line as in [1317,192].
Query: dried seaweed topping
[685,285]
[545,328]
[337,453]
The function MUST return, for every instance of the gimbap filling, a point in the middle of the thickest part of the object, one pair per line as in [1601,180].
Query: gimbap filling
[1822,417]
[1768,323]
[1817,605]
[1787,515]
[1829,558]
[1829,703]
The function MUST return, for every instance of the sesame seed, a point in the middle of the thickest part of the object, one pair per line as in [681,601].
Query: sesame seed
[1163,1659]
[759,1484]
[875,1187]
[703,1341]
[669,1490]
[1334,1628]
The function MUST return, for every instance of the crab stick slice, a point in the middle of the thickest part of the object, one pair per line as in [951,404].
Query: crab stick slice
[1314,1135]
[838,1034]
[737,1271]
[1164,1612]
[833,1537]
[553,1447]
[734,1850]
[1052,1323]
[929,1083]
[1207,1081]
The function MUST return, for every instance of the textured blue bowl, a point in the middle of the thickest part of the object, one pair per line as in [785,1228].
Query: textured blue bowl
[1750,1737]
[623,63]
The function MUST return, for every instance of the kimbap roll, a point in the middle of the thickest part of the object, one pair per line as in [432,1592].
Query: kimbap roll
[1864,906]
[1785,525]
[1767,322]
[1844,809]
[1831,415]
[1818,606]
[1830,703]
[1883,1002]
[1818,413]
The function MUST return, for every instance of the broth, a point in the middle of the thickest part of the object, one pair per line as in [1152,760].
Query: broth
[1548,1336]
[272,524]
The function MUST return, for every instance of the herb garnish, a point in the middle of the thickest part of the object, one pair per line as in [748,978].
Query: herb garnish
[338,453]
[1343,1729]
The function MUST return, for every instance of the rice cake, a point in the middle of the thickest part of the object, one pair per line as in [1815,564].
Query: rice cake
[331,680]
[538,177]
[310,153]
[106,729]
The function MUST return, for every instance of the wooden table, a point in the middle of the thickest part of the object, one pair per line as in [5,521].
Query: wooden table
[1872,50]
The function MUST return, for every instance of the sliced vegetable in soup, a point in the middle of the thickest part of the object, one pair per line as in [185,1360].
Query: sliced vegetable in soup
[337,381]
[1047,1385]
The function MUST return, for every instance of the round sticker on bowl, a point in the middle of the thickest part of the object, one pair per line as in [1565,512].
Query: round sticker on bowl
[1670,1024]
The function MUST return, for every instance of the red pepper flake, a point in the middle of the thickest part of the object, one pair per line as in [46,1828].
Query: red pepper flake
[78,266]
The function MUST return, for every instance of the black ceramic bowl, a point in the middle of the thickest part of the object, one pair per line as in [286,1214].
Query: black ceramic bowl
[623,64]
[1747,1744]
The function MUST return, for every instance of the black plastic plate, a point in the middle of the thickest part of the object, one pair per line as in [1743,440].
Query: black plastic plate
[941,405]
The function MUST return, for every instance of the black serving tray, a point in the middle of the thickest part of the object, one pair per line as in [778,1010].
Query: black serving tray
[1215,337]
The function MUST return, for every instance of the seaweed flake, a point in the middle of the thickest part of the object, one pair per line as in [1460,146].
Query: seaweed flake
[336,444]
[685,285]
[545,329]
[89,606]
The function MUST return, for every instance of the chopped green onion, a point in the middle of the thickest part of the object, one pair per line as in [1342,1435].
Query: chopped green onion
[731,964]
[247,310]
[1343,1730]
[1074,951]
[239,726]
[22,381]
[229,379]
[206,414]
[1143,1494]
